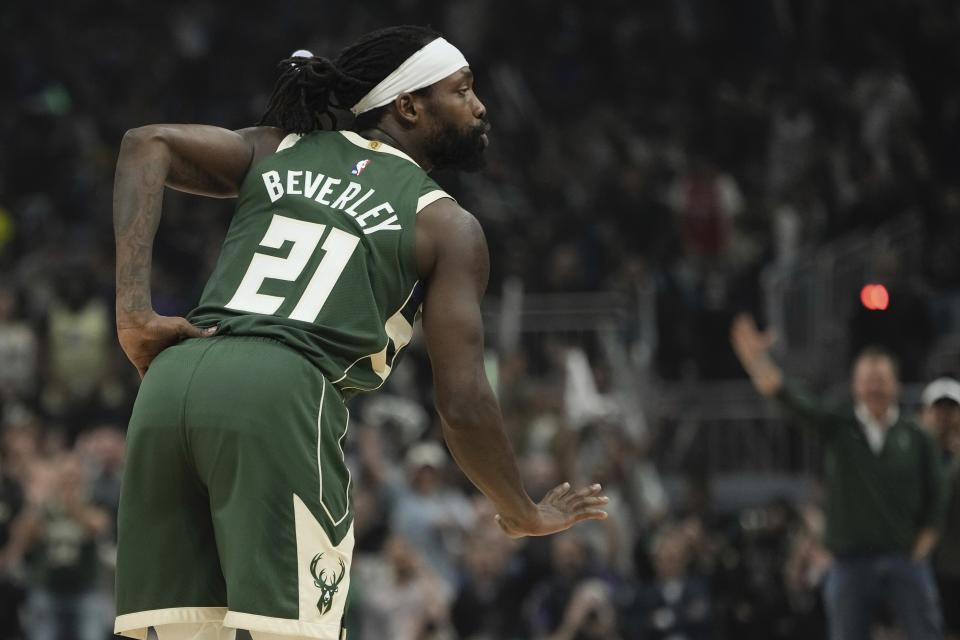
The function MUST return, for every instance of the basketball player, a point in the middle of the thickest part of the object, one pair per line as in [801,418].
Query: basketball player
[235,511]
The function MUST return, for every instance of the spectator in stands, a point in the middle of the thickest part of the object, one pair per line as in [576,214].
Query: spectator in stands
[405,599]
[886,495]
[79,339]
[706,201]
[21,443]
[57,534]
[11,592]
[591,614]
[485,602]
[430,515]
[676,603]
[18,350]
[804,572]
[570,566]
[104,450]
[941,415]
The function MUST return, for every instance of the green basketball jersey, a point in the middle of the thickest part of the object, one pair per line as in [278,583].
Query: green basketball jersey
[320,255]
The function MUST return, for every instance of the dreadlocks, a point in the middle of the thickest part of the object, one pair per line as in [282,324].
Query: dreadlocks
[312,87]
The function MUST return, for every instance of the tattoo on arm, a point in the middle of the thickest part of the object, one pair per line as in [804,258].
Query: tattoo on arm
[198,159]
[137,203]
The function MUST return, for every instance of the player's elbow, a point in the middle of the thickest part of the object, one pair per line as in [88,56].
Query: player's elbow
[147,136]
[467,407]
[459,416]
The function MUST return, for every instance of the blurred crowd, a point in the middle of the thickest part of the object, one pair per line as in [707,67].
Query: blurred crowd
[724,139]
[430,562]
[679,145]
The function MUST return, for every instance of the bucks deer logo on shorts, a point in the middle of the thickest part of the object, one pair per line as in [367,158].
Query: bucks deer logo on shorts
[327,589]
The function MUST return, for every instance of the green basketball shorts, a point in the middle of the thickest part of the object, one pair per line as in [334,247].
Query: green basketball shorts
[235,506]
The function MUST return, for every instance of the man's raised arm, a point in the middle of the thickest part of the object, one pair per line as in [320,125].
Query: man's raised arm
[194,158]
[452,257]
[753,350]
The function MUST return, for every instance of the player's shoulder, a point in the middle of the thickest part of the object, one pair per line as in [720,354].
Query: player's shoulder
[446,227]
[263,141]
[267,136]
[446,215]
[449,233]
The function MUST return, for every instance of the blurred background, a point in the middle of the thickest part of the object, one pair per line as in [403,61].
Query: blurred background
[655,168]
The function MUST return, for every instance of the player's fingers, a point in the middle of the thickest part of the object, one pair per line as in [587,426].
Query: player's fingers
[589,501]
[590,490]
[557,492]
[187,330]
[590,514]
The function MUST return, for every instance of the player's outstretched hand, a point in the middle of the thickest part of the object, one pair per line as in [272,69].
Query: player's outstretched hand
[559,510]
[143,338]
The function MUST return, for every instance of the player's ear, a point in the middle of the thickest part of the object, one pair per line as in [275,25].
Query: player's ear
[408,111]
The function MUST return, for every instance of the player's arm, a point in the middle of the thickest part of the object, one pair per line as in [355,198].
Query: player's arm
[452,258]
[201,159]
[196,158]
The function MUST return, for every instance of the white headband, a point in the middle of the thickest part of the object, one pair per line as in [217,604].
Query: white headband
[430,64]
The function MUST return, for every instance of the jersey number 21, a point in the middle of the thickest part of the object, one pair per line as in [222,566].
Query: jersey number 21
[338,246]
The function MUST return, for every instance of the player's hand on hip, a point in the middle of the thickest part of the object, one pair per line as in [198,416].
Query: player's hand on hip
[559,510]
[144,337]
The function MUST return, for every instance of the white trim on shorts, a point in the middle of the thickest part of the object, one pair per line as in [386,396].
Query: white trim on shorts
[134,625]
[282,626]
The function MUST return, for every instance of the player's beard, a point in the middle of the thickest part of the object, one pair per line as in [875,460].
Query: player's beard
[461,149]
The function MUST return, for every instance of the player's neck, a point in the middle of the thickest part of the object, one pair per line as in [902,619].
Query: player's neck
[398,139]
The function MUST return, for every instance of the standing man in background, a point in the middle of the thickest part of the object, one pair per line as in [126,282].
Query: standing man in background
[884,490]
[941,416]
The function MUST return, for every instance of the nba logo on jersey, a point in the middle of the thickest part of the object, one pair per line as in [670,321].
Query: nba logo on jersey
[359,167]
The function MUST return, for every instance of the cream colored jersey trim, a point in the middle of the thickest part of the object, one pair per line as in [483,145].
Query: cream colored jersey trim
[379,356]
[429,198]
[376,145]
[289,141]
[134,625]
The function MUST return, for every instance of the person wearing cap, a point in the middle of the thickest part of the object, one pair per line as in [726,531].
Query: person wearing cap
[430,515]
[235,510]
[885,493]
[941,416]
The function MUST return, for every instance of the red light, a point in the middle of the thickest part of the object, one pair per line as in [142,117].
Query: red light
[875,297]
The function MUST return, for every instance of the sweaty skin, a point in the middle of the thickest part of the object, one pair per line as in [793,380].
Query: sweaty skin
[451,255]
